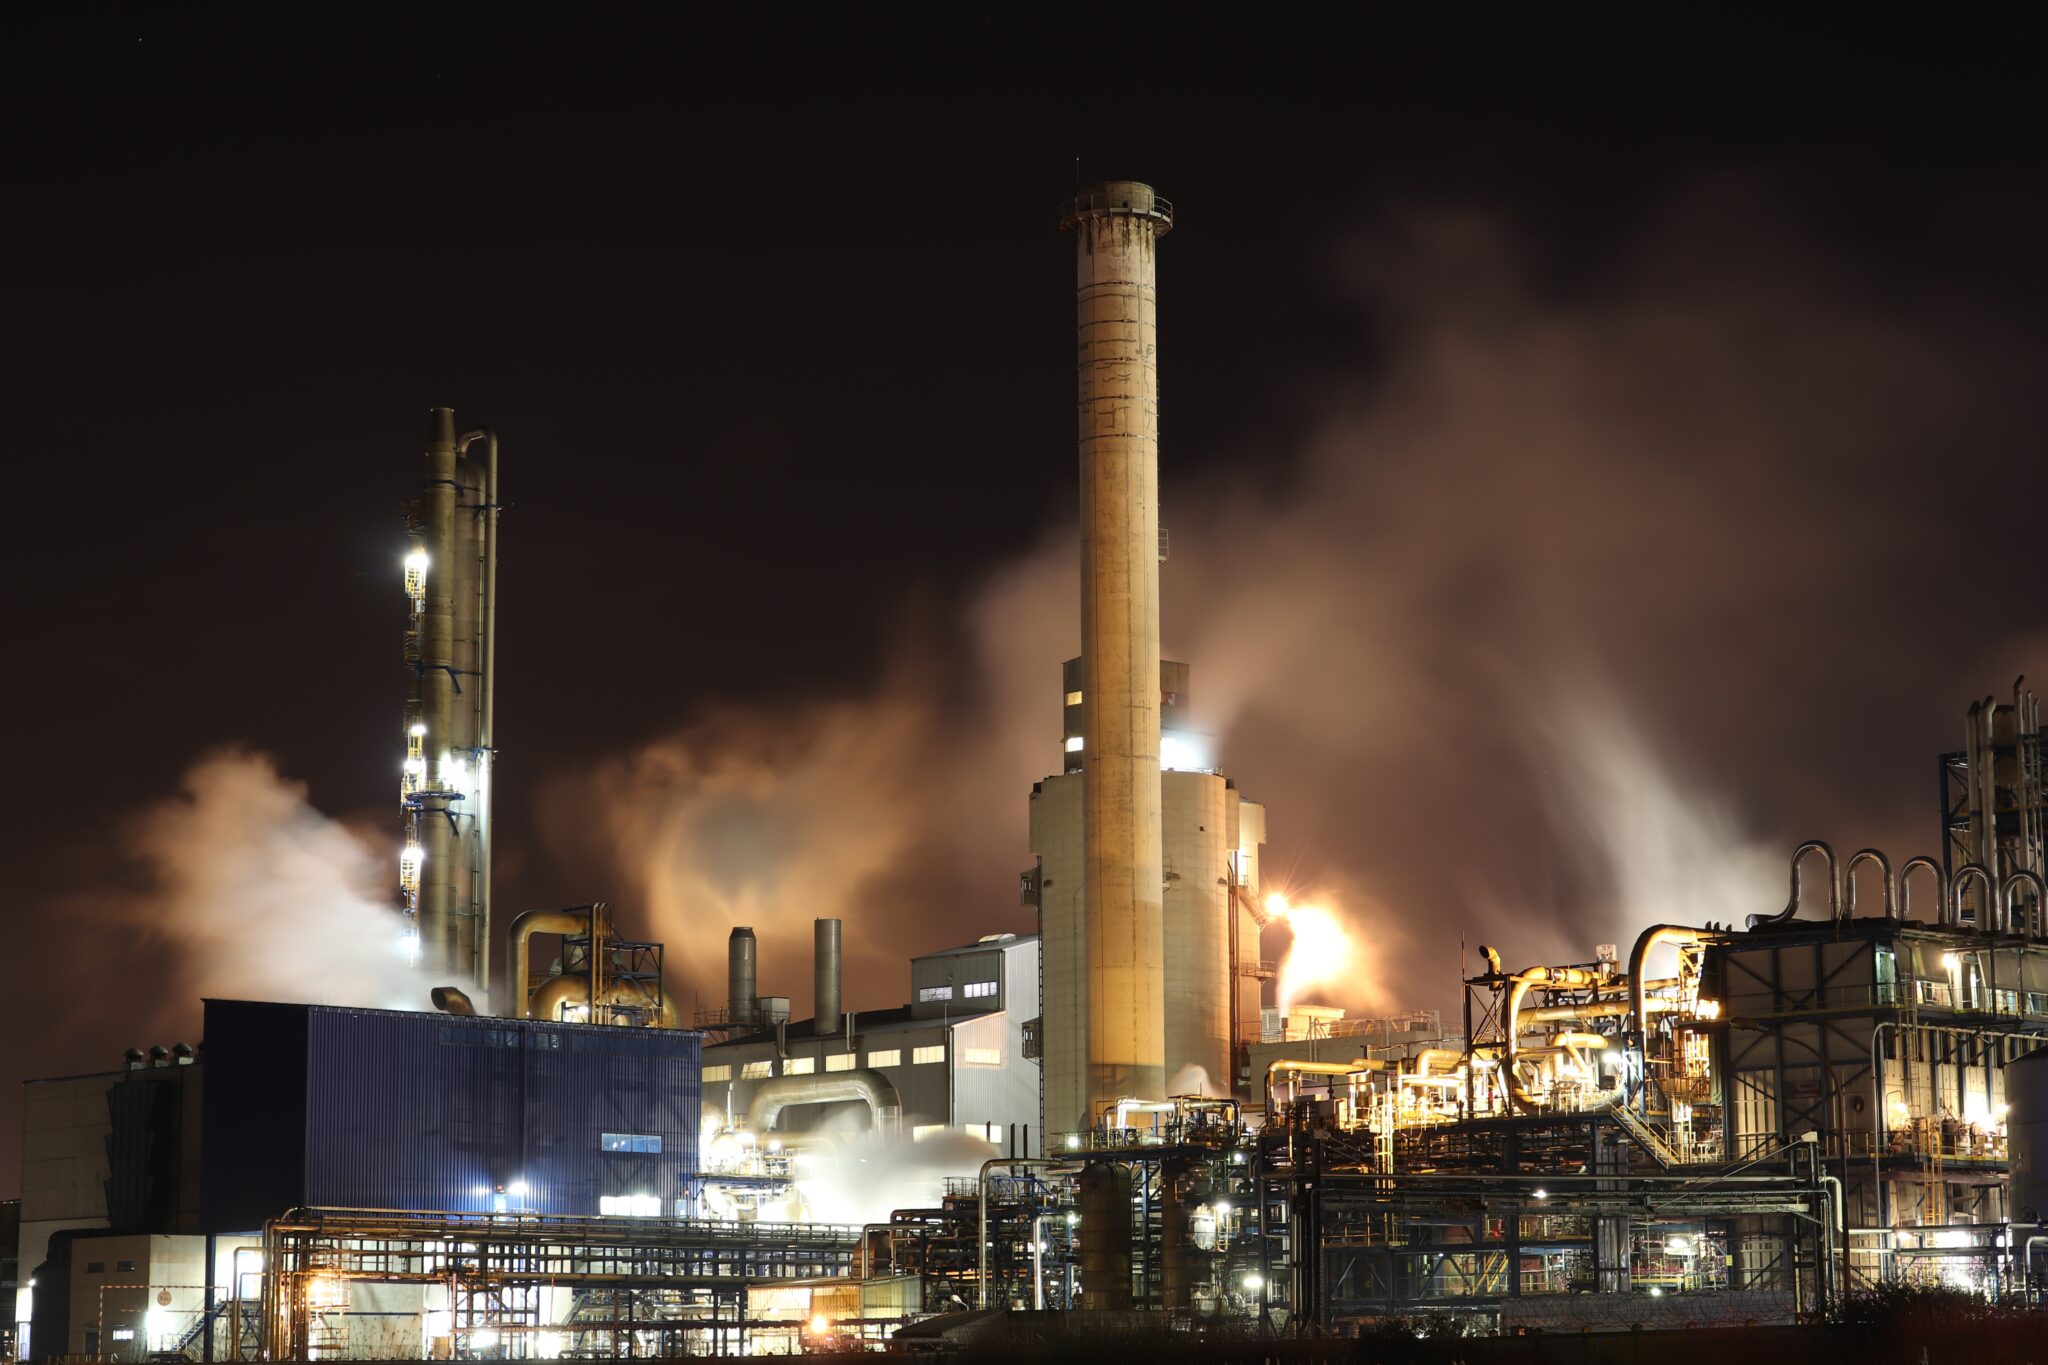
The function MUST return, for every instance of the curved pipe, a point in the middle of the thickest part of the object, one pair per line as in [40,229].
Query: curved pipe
[1834,866]
[1890,883]
[1522,983]
[1492,956]
[1638,1008]
[1906,872]
[574,989]
[787,1092]
[1964,875]
[2013,907]
[449,1000]
[574,920]
[1285,1067]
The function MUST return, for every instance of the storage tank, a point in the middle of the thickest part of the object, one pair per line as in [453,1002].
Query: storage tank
[2026,1133]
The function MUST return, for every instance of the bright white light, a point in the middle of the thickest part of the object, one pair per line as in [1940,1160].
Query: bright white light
[1950,961]
[419,730]
[1073,1219]
[1611,1058]
[1223,1208]
[416,562]
[1276,905]
[1237,1158]
[483,1340]
[1073,1141]
[1655,1292]
[517,1189]
[819,1325]
[1255,1282]
[1678,1246]
[1542,1194]
[1074,743]
[1183,753]
[1318,954]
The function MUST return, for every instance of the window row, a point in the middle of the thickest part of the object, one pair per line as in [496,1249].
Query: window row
[722,1072]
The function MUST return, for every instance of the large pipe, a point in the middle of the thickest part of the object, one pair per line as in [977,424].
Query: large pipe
[574,920]
[1889,884]
[1520,984]
[1906,871]
[1639,1010]
[827,966]
[1834,868]
[739,978]
[787,1092]
[1116,227]
[487,702]
[438,954]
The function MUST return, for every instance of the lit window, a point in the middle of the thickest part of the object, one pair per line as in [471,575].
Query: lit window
[1074,743]
[629,1205]
[987,1132]
[631,1142]
[718,1073]
[755,1071]
[980,1056]
[1073,698]
[925,1130]
[123,1334]
[839,1061]
[935,1053]
[892,1056]
[799,1066]
[931,993]
[979,990]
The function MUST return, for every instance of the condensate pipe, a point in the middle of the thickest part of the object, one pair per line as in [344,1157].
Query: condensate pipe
[1906,871]
[1834,867]
[1989,918]
[1129,1105]
[1890,883]
[2012,907]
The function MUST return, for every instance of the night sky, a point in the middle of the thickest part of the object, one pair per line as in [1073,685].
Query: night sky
[1570,445]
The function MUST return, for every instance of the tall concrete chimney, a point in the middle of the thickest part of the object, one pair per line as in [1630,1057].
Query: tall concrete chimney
[1117,225]
[827,953]
[739,977]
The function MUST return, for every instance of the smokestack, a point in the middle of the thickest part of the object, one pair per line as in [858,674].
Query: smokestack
[828,976]
[1117,225]
[739,977]
[436,716]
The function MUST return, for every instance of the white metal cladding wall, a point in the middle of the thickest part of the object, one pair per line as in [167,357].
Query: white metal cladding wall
[423,1111]
[1197,984]
[1056,839]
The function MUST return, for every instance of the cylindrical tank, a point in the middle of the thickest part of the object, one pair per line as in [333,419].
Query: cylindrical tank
[827,966]
[739,977]
[2026,1136]
[1116,227]
[1105,1237]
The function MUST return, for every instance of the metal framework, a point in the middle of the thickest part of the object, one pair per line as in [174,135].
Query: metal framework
[599,1287]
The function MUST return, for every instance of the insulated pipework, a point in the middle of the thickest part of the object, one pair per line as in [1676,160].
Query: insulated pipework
[445,790]
[739,977]
[1116,227]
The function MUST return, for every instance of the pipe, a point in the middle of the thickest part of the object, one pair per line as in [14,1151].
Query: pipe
[487,685]
[1520,984]
[1889,884]
[1639,1012]
[740,1008]
[1354,1067]
[573,988]
[1906,871]
[574,920]
[437,698]
[2031,925]
[1129,1105]
[1834,867]
[785,1092]
[826,939]
[1955,897]
[449,1000]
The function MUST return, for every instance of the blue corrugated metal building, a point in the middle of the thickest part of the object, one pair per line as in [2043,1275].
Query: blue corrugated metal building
[353,1108]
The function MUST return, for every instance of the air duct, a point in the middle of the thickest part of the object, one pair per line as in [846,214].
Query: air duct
[739,978]
[872,1088]
[827,1010]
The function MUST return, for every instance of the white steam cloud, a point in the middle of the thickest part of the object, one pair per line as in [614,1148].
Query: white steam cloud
[246,891]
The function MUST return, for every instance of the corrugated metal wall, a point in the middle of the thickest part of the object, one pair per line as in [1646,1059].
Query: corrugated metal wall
[430,1111]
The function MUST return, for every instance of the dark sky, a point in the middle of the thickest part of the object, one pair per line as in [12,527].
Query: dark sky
[775,325]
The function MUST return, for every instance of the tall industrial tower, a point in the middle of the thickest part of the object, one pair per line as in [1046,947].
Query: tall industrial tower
[450,645]
[1147,880]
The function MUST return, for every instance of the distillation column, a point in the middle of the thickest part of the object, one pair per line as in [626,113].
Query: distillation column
[444,871]
[1116,227]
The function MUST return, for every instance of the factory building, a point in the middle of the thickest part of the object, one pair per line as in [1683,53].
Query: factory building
[953,1058]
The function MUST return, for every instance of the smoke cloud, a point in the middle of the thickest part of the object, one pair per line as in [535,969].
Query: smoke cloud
[245,891]
[1566,614]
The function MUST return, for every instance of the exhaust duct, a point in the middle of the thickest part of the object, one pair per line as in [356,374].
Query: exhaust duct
[827,965]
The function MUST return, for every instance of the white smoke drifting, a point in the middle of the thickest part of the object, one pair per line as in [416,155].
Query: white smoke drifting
[1496,637]
[248,892]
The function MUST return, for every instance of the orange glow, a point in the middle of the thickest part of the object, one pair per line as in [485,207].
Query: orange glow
[1319,954]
